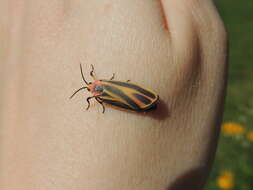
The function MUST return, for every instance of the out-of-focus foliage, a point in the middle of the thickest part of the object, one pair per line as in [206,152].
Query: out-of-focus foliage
[233,167]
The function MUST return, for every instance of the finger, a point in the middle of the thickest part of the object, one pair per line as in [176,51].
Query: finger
[180,25]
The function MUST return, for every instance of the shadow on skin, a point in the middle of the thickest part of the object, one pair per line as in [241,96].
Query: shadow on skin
[159,112]
[191,180]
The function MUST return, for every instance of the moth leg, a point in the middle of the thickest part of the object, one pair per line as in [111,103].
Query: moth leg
[99,101]
[92,72]
[112,76]
[88,100]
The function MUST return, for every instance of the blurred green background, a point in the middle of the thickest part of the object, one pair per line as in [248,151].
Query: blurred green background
[233,167]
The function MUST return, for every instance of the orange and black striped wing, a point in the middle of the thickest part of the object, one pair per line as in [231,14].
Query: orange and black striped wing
[128,95]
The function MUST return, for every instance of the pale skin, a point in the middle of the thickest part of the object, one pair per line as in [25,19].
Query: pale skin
[49,142]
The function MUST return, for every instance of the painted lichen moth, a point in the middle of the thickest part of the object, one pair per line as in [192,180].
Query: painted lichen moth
[125,95]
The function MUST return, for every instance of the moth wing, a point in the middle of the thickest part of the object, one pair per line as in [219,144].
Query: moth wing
[128,95]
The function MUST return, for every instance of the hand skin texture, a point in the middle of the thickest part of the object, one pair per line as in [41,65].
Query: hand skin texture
[49,142]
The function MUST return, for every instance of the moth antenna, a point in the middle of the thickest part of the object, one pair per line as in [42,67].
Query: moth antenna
[81,69]
[77,91]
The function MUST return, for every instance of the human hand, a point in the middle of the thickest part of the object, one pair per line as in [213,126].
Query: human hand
[53,143]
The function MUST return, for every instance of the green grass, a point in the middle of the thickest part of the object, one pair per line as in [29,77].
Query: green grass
[235,153]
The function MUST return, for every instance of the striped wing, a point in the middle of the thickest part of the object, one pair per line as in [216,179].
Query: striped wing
[128,95]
